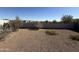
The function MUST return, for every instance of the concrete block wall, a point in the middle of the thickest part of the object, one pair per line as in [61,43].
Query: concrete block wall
[48,25]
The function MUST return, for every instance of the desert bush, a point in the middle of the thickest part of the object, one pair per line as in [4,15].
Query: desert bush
[51,32]
[6,27]
[15,24]
[74,37]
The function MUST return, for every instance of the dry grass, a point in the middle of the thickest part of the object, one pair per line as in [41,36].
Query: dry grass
[51,32]
[74,37]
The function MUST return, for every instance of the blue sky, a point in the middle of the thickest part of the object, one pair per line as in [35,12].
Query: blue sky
[38,13]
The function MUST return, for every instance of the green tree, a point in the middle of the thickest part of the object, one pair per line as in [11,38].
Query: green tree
[67,19]
[46,21]
[24,21]
[54,21]
[75,21]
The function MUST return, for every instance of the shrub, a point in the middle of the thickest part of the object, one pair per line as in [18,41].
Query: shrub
[67,19]
[74,37]
[50,32]
[6,27]
[15,24]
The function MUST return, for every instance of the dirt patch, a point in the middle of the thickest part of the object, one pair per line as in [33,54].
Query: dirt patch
[37,41]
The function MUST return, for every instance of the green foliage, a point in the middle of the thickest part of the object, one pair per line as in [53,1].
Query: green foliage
[54,21]
[67,19]
[46,21]
[51,32]
[76,21]
[24,21]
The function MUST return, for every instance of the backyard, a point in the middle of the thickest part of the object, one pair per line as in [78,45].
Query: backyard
[30,40]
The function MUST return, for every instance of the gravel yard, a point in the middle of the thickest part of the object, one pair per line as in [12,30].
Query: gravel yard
[26,40]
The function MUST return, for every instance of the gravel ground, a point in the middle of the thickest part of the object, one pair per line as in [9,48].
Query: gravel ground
[26,40]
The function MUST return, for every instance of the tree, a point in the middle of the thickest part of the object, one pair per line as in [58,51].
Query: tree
[24,21]
[67,19]
[75,21]
[54,21]
[17,18]
[46,21]
[15,24]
